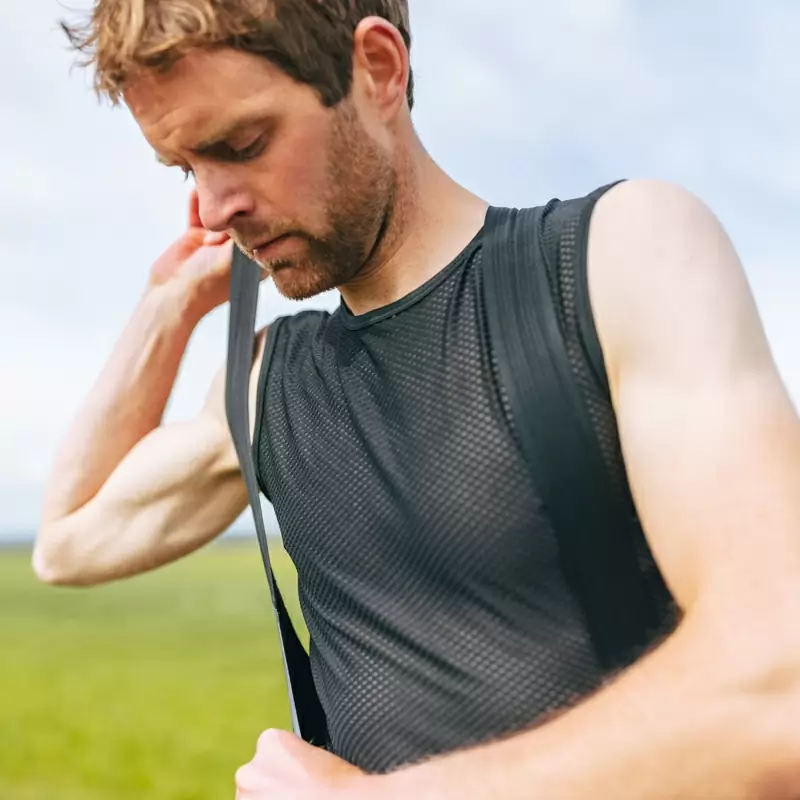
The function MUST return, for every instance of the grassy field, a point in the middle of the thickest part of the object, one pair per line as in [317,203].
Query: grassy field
[155,687]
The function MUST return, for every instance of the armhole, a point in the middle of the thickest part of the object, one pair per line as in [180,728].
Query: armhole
[587,330]
[261,391]
[663,611]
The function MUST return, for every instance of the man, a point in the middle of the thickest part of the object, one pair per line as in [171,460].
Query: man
[442,630]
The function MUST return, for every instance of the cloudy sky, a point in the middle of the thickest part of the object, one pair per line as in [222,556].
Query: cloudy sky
[521,100]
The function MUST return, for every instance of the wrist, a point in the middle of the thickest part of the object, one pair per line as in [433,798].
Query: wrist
[176,304]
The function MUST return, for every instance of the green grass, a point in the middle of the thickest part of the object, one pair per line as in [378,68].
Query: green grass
[155,687]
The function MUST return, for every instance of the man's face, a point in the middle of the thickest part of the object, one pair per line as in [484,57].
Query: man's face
[269,160]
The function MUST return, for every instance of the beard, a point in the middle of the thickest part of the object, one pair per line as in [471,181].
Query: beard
[359,205]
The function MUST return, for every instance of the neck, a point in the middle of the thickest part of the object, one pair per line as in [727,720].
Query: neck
[433,220]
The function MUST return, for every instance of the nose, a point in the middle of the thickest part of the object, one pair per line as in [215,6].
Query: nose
[221,201]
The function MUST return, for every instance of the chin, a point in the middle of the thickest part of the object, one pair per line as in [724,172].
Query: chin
[295,282]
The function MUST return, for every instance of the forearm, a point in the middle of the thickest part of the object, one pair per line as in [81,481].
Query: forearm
[126,403]
[685,722]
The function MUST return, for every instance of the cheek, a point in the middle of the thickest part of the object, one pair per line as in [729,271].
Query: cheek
[299,174]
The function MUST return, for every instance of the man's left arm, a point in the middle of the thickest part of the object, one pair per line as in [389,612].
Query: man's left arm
[711,443]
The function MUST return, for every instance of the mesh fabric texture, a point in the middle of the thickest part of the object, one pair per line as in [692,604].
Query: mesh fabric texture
[428,572]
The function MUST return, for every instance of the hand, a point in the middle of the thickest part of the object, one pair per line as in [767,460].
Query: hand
[286,768]
[198,263]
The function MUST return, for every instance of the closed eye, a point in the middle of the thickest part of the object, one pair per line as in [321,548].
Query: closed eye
[250,152]
[222,151]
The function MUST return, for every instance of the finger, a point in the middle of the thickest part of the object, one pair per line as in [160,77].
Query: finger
[215,260]
[225,253]
[248,780]
[268,741]
[213,238]
[194,210]
[276,740]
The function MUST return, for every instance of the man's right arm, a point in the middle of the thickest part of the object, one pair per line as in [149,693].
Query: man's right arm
[128,493]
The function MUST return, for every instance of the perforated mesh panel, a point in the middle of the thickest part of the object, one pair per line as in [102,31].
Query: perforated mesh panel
[428,571]
[568,225]
[428,576]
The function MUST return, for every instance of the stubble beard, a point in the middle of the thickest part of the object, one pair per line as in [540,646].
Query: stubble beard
[360,203]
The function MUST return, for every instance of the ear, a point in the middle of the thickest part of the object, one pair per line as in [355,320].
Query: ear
[381,66]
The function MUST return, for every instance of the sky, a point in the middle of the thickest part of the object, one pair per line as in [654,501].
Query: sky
[519,100]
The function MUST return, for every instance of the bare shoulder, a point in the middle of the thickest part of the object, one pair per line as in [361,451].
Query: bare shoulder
[666,283]
[710,437]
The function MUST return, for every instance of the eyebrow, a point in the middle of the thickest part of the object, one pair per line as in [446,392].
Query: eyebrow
[218,138]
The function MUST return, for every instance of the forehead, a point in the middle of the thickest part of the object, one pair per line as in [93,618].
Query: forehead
[209,89]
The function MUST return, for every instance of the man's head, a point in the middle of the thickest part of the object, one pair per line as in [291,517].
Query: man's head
[290,114]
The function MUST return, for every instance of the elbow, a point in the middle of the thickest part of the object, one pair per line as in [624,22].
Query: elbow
[774,695]
[769,661]
[48,568]
[753,671]
[43,567]
[778,741]
[748,648]
[54,561]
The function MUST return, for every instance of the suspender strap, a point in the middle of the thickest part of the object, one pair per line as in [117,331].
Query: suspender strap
[556,436]
[308,718]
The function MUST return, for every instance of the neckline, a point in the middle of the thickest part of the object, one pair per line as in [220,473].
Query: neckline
[357,321]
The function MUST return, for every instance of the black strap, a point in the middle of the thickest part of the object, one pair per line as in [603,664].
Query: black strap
[557,438]
[308,718]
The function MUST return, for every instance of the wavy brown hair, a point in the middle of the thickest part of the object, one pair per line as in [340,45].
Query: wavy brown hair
[311,40]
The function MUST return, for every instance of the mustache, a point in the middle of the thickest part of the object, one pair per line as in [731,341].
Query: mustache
[250,240]
[249,246]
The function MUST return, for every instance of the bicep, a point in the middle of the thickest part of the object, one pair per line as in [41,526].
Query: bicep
[176,490]
[710,438]
[181,486]
[714,467]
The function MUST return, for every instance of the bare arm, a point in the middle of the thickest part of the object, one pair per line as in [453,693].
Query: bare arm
[127,493]
[126,403]
[177,488]
[712,447]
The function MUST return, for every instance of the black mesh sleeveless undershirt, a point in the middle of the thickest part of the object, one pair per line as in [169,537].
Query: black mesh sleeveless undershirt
[428,573]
